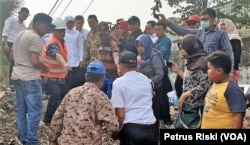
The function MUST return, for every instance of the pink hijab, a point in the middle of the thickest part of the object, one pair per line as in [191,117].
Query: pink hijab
[231,30]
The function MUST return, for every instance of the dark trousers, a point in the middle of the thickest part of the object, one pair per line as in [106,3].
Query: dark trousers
[76,77]
[161,105]
[138,134]
[10,44]
[57,92]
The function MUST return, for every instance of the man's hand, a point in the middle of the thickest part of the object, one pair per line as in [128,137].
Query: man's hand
[82,64]
[163,18]
[45,69]
[67,68]
[6,49]
[85,64]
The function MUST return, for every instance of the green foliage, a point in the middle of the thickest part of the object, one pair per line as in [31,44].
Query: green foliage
[239,10]
[4,68]
[7,8]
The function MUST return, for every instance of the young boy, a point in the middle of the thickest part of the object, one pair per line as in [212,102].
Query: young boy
[225,103]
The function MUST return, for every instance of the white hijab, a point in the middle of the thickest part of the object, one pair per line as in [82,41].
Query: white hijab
[231,30]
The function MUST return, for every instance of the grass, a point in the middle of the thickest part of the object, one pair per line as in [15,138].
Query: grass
[4,68]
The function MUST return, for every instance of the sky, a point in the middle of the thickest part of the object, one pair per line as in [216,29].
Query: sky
[105,10]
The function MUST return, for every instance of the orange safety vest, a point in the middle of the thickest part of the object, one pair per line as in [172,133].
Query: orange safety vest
[55,68]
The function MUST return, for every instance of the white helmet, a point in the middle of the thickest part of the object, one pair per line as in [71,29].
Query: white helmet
[59,23]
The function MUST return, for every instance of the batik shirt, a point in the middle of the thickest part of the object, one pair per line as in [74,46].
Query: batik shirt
[93,43]
[82,114]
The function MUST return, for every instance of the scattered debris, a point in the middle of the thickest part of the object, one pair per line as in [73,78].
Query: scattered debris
[8,129]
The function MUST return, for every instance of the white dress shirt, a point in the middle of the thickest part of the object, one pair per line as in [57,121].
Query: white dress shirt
[12,27]
[133,92]
[84,34]
[74,43]
[153,37]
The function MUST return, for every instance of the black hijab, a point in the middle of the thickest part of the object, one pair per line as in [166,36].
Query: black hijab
[196,52]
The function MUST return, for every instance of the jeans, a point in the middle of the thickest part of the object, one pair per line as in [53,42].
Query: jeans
[29,109]
[57,91]
[107,86]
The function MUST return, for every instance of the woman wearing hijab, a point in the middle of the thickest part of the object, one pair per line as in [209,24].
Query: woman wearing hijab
[150,63]
[196,82]
[228,26]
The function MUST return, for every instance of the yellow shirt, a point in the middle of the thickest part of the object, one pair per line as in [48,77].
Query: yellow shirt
[217,113]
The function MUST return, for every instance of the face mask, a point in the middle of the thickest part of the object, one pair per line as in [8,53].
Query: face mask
[205,24]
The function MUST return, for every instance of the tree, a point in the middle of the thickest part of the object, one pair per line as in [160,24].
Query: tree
[237,10]
[7,8]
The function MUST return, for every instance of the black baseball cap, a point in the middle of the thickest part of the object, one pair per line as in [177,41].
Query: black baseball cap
[133,19]
[44,18]
[128,57]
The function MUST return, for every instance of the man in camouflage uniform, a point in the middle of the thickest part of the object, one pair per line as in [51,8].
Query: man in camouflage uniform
[84,111]
[93,41]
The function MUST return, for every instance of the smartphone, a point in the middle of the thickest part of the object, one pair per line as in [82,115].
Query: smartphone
[169,64]
[157,16]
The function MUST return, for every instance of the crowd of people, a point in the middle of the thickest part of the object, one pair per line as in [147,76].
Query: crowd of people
[110,78]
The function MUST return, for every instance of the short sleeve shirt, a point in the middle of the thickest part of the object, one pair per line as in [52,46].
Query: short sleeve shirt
[221,101]
[133,92]
[26,42]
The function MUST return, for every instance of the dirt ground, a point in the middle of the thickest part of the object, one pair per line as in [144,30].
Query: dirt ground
[8,130]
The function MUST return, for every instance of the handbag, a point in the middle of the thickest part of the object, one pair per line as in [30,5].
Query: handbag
[188,118]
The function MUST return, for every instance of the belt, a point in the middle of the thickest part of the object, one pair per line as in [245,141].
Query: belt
[139,125]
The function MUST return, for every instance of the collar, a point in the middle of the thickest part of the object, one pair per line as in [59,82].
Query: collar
[33,30]
[17,19]
[91,85]
[153,35]
[213,30]
[160,38]
[130,73]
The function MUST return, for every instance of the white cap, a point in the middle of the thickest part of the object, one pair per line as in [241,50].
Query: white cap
[59,23]
[68,18]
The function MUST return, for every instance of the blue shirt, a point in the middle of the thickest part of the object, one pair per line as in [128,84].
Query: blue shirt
[164,45]
[214,40]
[53,49]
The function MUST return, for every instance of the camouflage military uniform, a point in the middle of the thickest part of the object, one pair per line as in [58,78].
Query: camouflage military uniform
[79,118]
[93,43]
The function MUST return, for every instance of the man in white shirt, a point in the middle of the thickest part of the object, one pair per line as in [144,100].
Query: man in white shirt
[12,26]
[79,22]
[150,30]
[132,99]
[74,43]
